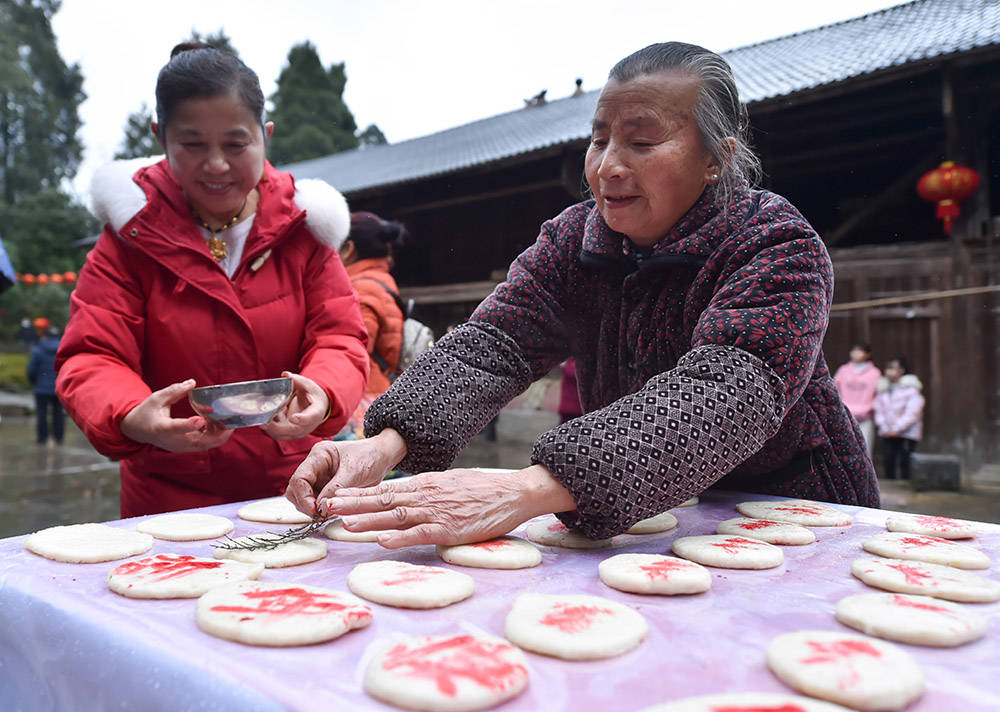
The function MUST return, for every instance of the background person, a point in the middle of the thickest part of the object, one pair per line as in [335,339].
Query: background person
[42,376]
[695,309]
[213,268]
[899,416]
[857,381]
[366,253]
[27,334]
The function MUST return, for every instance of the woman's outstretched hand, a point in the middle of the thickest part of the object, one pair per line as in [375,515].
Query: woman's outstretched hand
[150,422]
[451,507]
[349,463]
[305,411]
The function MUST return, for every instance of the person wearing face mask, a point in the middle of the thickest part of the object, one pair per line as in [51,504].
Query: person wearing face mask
[213,267]
[694,307]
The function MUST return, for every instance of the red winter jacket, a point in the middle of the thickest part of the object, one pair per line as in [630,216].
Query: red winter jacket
[152,308]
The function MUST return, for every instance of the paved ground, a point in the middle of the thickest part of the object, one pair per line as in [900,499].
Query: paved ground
[42,486]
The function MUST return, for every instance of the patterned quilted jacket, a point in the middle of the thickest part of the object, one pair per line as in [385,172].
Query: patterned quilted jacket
[699,364]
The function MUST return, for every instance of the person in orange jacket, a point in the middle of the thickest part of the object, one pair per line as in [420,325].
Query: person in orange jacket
[213,267]
[368,253]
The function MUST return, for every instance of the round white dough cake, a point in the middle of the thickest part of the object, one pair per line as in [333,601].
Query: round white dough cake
[87,543]
[185,526]
[852,670]
[917,620]
[279,613]
[507,552]
[290,553]
[932,549]
[796,511]
[275,510]
[653,525]
[447,673]
[727,551]
[747,702]
[943,527]
[335,530]
[689,502]
[552,532]
[397,583]
[767,530]
[920,577]
[654,573]
[573,626]
[177,576]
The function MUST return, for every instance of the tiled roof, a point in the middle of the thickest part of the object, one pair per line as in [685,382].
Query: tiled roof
[795,63]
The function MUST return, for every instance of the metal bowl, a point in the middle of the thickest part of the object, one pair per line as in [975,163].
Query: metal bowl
[243,404]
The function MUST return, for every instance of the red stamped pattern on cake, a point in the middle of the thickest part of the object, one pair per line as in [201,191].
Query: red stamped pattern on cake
[663,568]
[758,524]
[493,545]
[807,509]
[411,575]
[295,601]
[843,653]
[462,657]
[557,527]
[910,603]
[939,523]
[573,619]
[914,574]
[165,566]
[736,545]
[921,541]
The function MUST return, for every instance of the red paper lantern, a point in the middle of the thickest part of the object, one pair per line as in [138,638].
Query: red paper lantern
[43,279]
[56,278]
[69,277]
[28,278]
[946,185]
[41,323]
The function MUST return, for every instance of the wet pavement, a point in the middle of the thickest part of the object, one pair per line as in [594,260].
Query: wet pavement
[44,486]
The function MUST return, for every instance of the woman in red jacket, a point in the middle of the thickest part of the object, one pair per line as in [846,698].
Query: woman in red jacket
[367,253]
[212,268]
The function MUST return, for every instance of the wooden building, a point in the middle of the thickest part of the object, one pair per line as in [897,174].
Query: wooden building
[846,118]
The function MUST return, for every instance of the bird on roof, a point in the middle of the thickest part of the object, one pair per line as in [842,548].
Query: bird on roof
[537,100]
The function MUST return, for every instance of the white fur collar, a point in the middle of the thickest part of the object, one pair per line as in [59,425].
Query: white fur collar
[115,198]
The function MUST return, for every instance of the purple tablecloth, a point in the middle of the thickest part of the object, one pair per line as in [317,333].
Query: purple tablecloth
[66,642]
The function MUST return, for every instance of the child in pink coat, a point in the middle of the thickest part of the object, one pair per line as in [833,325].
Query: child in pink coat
[899,416]
[857,381]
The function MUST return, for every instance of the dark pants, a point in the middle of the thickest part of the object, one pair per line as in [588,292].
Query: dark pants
[897,450]
[44,401]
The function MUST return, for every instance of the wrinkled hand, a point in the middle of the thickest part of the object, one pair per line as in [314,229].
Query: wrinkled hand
[150,422]
[304,412]
[451,507]
[350,463]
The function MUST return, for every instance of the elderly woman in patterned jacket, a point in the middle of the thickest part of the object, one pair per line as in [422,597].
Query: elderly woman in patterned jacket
[695,308]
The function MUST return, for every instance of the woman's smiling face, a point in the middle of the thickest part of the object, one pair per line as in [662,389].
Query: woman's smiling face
[216,150]
[646,164]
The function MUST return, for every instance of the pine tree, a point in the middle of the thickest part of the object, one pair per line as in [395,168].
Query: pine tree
[310,116]
[39,101]
[372,136]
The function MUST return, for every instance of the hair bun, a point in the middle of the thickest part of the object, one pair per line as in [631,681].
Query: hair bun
[189,46]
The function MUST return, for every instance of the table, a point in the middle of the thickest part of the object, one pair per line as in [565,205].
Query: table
[66,642]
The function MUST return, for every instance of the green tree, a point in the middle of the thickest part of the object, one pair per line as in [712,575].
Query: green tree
[39,100]
[139,139]
[372,136]
[310,116]
[39,150]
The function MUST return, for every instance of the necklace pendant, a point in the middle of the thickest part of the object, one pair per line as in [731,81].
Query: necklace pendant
[217,248]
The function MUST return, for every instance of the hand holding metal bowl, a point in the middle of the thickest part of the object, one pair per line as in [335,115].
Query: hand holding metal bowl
[243,404]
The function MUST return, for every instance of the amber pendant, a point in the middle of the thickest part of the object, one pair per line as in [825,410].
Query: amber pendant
[217,248]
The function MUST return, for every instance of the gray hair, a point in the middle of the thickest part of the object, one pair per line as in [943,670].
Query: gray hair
[718,112]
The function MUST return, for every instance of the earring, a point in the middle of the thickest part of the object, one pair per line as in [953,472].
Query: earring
[715,177]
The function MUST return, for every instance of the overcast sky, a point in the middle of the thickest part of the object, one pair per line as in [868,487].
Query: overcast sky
[413,66]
